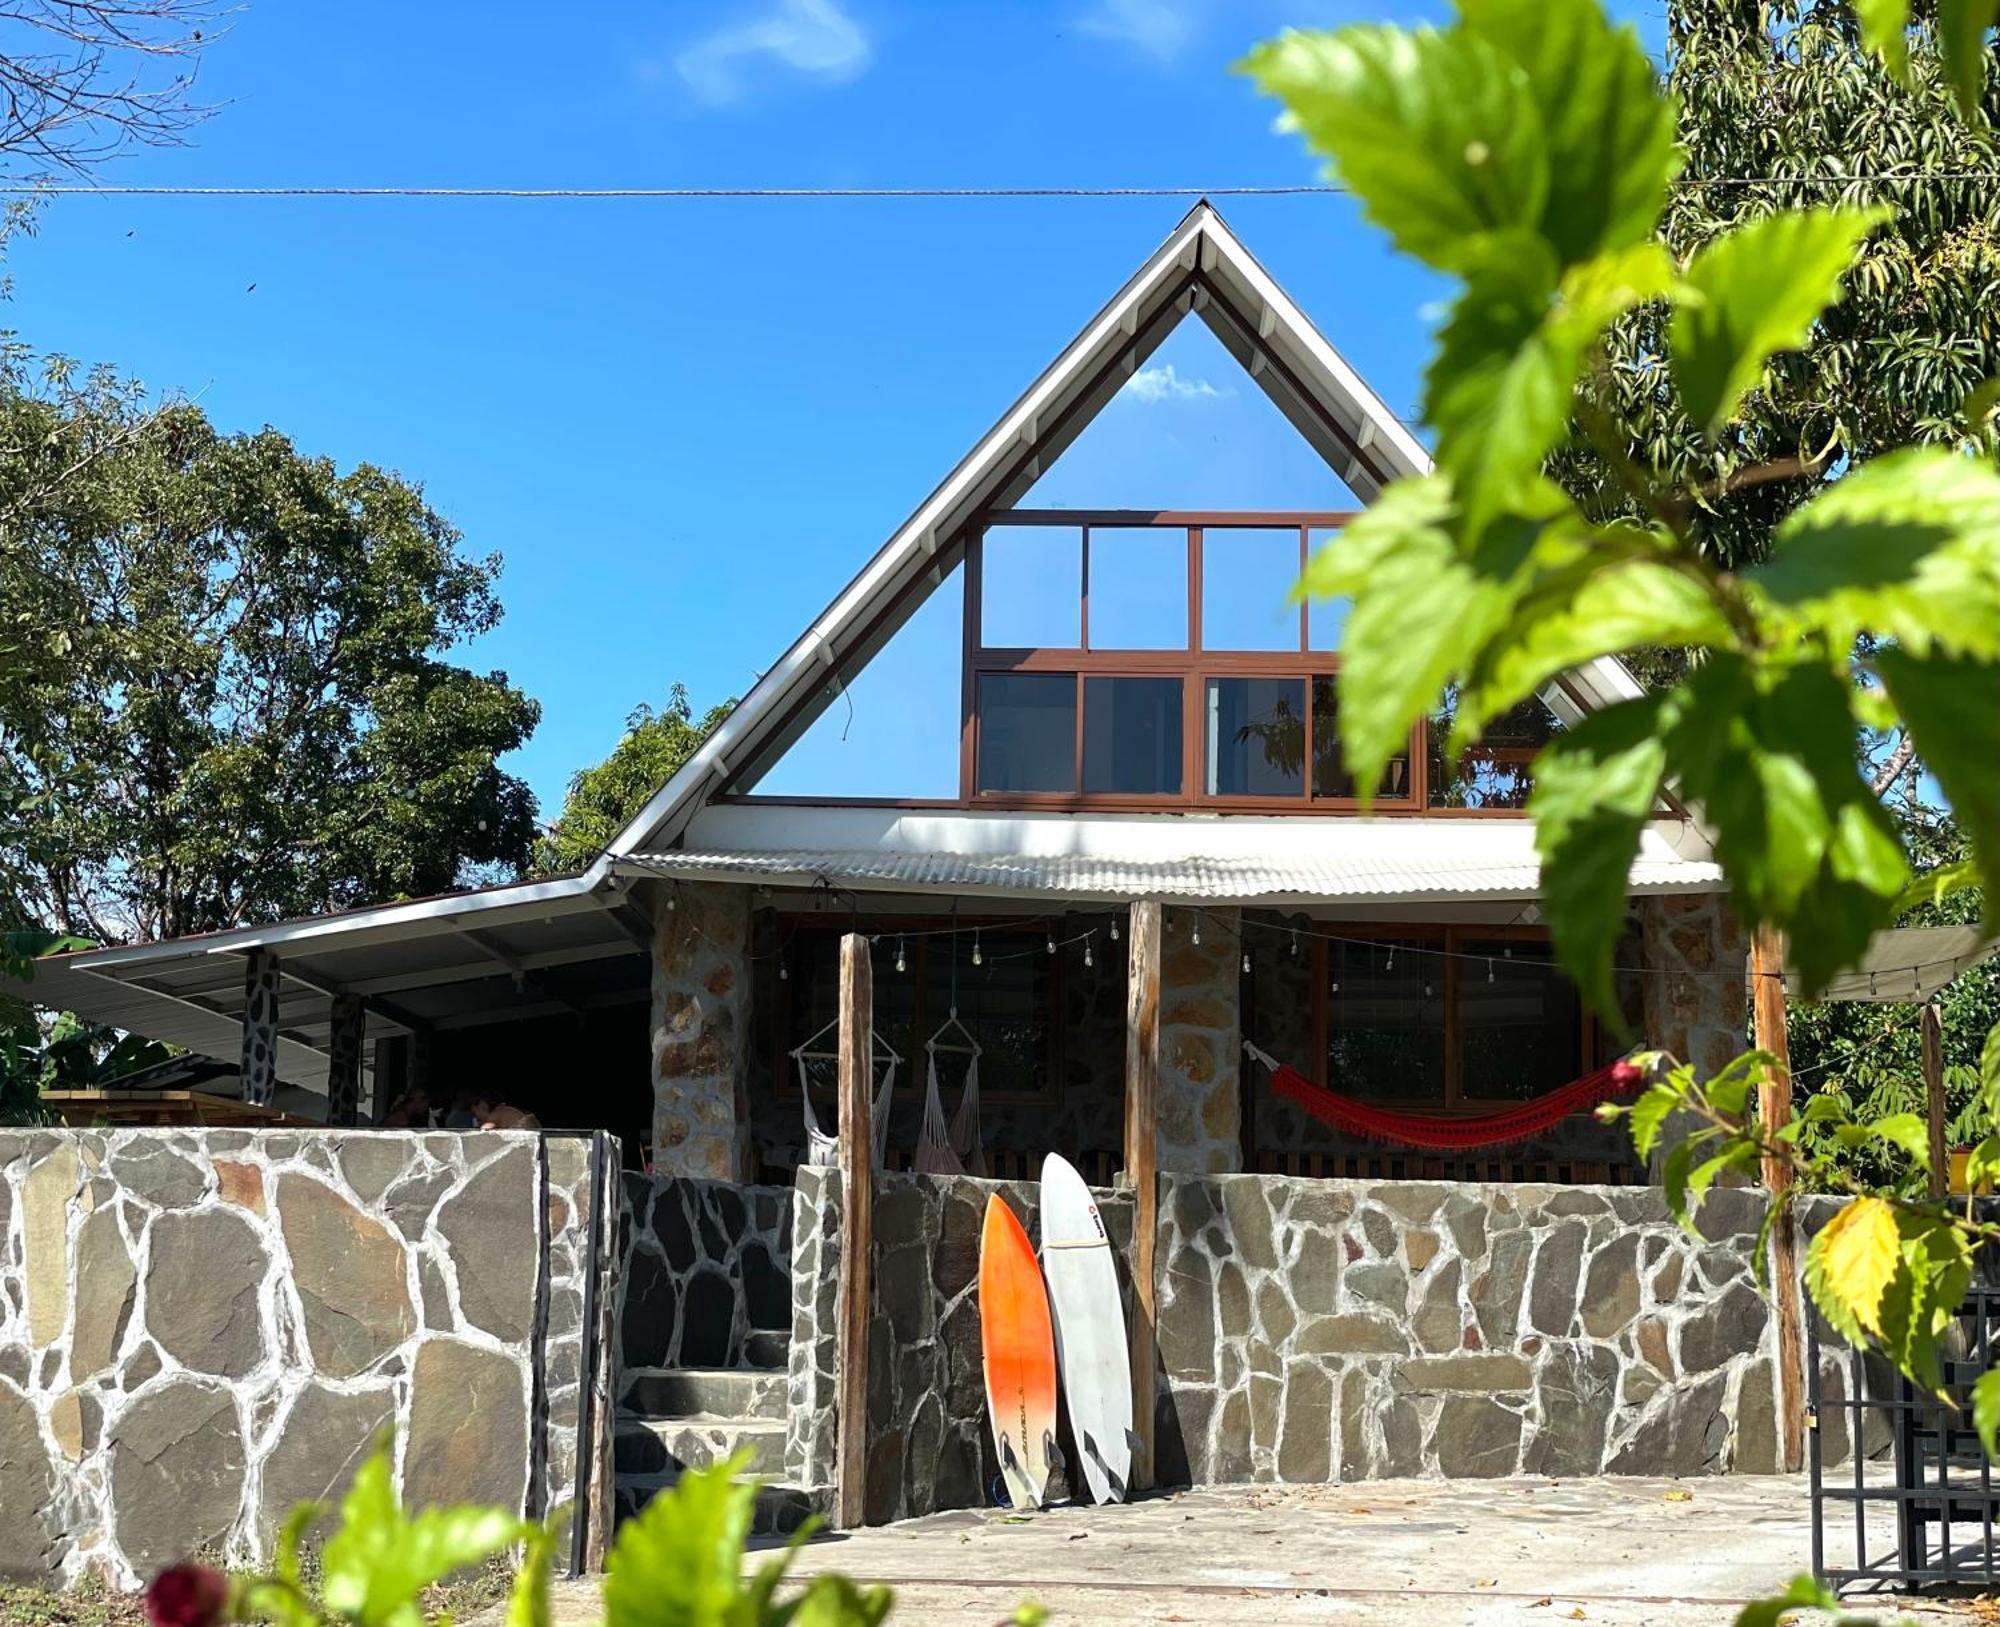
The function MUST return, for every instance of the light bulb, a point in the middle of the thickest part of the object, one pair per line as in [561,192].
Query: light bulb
[899,954]
[1336,985]
[1246,960]
[1295,943]
[1086,953]
[1052,943]
[1197,932]
[1489,971]
[783,975]
[975,950]
[1114,929]
[1389,965]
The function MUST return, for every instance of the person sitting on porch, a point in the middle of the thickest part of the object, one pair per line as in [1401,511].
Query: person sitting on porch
[490,1113]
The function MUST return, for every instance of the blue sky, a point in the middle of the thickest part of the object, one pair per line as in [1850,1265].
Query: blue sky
[685,425]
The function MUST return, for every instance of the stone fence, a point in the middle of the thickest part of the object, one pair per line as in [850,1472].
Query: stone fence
[1328,1331]
[199,1328]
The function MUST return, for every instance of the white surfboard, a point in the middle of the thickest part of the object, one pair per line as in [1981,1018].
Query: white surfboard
[1090,1329]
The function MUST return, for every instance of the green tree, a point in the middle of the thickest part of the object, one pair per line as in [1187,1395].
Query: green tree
[223,688]
[1777,107]
[603,800]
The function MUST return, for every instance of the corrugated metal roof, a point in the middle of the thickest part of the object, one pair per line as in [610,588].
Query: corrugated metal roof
[1234,880]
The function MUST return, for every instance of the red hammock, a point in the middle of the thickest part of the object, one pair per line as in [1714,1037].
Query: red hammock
[1422,1130]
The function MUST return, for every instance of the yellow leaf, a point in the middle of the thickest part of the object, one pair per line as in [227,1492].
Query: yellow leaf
[1859,1252]
[1678,1495]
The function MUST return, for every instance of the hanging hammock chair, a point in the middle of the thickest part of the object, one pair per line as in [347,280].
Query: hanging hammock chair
[822,1148]
[1423,1131]
[951,1149]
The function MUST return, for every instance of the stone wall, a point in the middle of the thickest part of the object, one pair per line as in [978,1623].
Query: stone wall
[1328,1331]
[199,1328]
[701,1020]
[706,1265]
[1201,1042]
[1696,988]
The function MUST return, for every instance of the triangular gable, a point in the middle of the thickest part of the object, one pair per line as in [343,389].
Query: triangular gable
[1201,269]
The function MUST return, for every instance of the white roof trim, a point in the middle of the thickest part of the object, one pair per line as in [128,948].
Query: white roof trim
[1248,312]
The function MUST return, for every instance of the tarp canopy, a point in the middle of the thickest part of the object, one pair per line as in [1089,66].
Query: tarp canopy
[1907,963]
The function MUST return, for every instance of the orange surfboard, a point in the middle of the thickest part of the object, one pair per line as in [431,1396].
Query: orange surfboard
[1018,1342]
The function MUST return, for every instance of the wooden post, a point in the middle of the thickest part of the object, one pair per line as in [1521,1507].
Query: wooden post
[1774,1109]
[857,1227]
[347,1027]
[1933,1037]
[259,1066]
[1142,1165]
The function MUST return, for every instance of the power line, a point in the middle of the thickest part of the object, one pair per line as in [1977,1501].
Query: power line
[895,193]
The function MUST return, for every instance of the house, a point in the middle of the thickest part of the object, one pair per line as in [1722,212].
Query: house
[1128,749]
[1124,732]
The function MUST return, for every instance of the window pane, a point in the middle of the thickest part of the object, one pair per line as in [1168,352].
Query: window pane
[1138,588]
[1494,773]
[1326,619]
[1245,577]
[1330,776]
[1132,735]
[1256,737]
[1006,1001]
[1031,587]
[1027,731]
[1520,1022]
[1385,1021]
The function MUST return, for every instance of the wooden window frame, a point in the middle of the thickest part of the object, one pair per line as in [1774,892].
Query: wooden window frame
[924,930]
[1450,938]
[1194,665]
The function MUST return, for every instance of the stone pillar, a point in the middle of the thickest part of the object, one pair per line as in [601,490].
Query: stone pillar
[1201,1043]
[347,1029]
[1696,983]
[259,1066]
[701,1019]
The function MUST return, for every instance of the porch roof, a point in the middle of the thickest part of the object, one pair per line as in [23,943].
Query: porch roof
[1112,858]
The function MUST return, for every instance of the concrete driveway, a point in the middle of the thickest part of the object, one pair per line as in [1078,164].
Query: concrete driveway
[1523,1553]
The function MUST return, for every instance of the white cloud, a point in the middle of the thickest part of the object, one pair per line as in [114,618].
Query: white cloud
[1158,28]
[1155,384]
[811,37]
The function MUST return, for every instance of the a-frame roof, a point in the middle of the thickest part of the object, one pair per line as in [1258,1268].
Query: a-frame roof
[1202,269]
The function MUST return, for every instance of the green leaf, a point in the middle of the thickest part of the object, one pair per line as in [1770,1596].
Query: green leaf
[1989,1076]
[1729,1091]
[834,1601]
[1934,886]
[528,1598]
[1805,1593]
[1986,1410]
[1649,1117]
[1753,292]
[1437,134]
[1952,708]
[1961,30]
[377,1564]
[1595,788]
[1602,607]
[1924,1295]
[1608,129]
[1768,755]
[1885,26]
[1420,605]
[1907,1131]
[1905,547]
[1738,1155]
[678,1562]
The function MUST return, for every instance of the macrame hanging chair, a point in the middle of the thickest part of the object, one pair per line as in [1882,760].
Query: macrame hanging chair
[1432,1134]
[822,1148]
[951,1148]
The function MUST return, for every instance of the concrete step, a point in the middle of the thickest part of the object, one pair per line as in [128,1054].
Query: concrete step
[780,1509]
[662,1445]
[768,1348]
[727,1392]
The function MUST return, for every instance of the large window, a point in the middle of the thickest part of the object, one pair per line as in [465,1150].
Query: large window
[1158,660]
[1447,1016]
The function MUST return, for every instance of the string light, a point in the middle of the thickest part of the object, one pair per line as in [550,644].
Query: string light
[1197,930]
[1389,965]
[1086,949]
[1052,941]
[1489,970]
[1246,962]
[784,975]
[976,960]
[899,954]
[1295,943]
[1114,929]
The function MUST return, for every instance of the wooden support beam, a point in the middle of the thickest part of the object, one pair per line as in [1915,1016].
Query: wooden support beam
[857,1227]
[259,1066]
[1142,1166]
[1774,1109]
[1933,1037]
[347,1027]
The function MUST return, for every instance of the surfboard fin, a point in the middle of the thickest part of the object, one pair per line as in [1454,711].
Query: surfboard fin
[1114,1481]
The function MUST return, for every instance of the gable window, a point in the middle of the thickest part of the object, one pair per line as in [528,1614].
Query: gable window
[1156,660]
